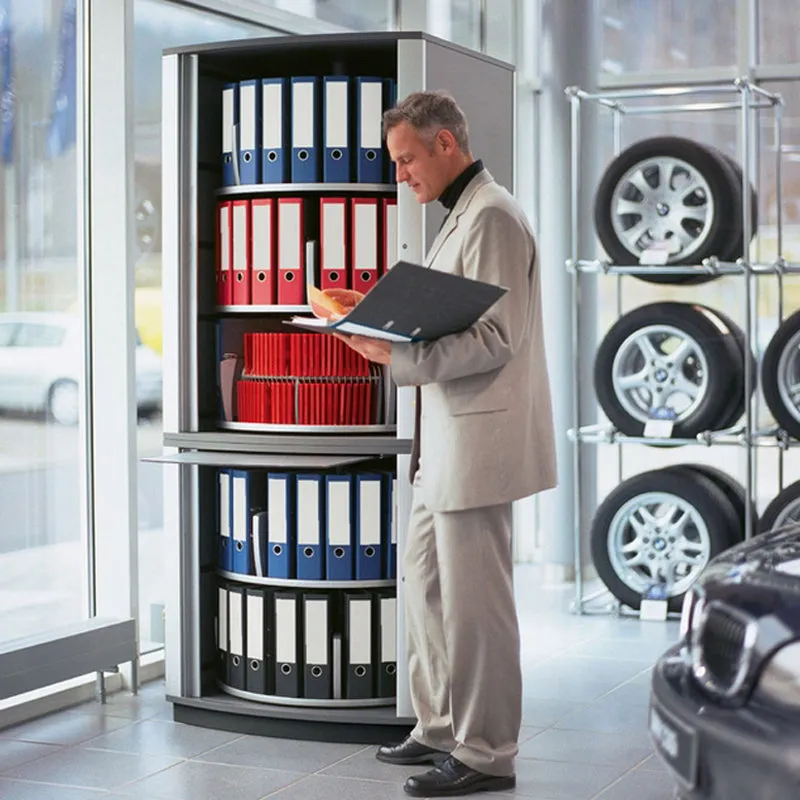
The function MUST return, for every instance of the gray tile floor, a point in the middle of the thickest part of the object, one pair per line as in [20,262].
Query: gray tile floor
[584,735]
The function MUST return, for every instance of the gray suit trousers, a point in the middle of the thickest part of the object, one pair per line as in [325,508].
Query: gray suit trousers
[463,634]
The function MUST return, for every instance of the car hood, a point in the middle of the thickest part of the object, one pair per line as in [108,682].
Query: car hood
[760,576]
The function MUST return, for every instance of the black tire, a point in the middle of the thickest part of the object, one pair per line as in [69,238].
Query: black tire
[737,245]
[783,509]
[733,491]
[714,238]
[710,529]
[736,404]
[780,364]
[722,376]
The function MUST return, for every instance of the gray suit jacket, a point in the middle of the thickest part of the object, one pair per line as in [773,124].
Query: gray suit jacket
[486,426]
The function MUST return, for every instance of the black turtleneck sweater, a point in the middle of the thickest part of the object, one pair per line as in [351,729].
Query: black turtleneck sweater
[450,195]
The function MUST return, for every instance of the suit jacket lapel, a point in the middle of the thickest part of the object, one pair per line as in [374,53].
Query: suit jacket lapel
[451,223]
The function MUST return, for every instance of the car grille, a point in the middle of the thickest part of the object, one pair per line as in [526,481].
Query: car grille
[722,649]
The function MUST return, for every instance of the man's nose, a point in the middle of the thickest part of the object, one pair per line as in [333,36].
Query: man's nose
[402,175]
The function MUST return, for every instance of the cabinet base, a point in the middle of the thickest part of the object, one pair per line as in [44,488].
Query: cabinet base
[351,725]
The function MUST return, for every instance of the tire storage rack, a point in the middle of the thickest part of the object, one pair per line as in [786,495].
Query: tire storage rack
[732,505]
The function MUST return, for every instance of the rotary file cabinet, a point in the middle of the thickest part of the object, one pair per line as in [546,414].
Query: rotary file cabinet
[197,327]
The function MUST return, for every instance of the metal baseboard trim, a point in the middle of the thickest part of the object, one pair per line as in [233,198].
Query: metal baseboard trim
[346,726]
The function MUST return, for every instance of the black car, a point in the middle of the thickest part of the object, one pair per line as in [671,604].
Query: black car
[725,701]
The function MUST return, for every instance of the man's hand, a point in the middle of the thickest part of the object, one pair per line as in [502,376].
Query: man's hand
[377,350]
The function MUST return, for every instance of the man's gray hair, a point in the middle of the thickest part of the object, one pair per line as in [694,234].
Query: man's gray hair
[428,113]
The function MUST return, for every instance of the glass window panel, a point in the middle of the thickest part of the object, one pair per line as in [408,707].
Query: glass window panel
[655,35]
[157,25]
[779,32]
[353,14]
[466,23]
[42,543]
[501,29]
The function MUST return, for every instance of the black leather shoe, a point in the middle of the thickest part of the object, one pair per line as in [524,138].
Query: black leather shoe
[452,778]
[410,751]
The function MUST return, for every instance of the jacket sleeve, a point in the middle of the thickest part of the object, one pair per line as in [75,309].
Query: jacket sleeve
[497,249]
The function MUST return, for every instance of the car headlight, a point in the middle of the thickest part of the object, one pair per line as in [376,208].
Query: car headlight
[691,613]
[780,679]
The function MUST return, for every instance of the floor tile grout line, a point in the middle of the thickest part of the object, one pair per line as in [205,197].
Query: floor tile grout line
[617,780]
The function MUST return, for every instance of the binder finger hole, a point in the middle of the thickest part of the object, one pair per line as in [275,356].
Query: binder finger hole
[277,549]
[336,155]
[365,276]
[334,276]
[247,158]
[236,660]
[289,276]
[261,277]
[360,671]
[239,547]
[303,155]
[272,156]
[239,277]
[338,552]
[391,669]
[316,672]
[254,665]
[369,552]
[308,552]
[286,669]
[371,155]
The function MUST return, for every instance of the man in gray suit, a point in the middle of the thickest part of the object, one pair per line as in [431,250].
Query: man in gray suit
[483,438]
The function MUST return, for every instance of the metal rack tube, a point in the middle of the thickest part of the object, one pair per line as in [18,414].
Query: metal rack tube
[575,186]
[778,140]
[748,311]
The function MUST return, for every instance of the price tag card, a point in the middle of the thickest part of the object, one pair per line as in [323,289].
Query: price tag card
[658,428]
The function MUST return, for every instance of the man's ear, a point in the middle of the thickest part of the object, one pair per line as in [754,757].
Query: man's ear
[446,140]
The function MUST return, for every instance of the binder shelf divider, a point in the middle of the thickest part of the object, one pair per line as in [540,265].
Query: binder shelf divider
[291,188]
[369,702]
[296,584]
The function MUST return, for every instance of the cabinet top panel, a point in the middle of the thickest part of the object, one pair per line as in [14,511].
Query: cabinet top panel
[225,54]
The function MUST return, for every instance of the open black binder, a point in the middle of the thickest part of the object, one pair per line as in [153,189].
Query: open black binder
[413,303]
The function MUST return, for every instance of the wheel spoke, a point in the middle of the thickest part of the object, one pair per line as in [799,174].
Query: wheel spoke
[697,213]
[678,525]
[690,188]
[639,181]
[683,236]
[646,347]
[625,207]
[635,381]
[632,235]
[794,393]
[685,386]
[680,353]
